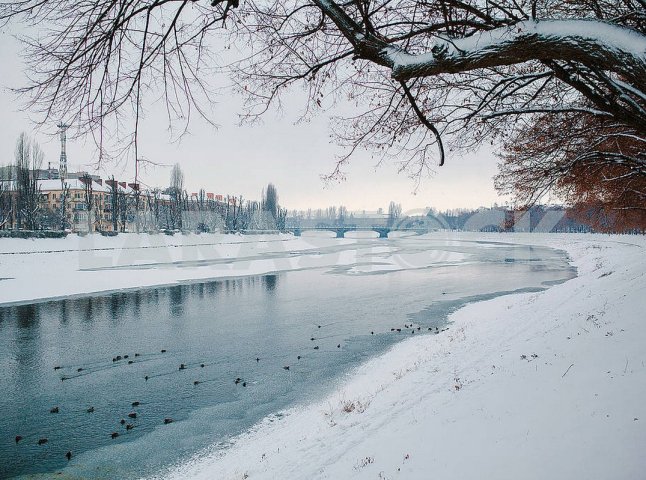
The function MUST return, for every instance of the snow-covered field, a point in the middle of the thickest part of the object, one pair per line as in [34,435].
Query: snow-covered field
[541,385]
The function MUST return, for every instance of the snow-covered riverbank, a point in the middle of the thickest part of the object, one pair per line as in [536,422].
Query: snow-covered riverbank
[41,269]
[541,385]
[45,269]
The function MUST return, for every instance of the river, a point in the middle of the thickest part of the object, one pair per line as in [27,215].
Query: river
[288,337]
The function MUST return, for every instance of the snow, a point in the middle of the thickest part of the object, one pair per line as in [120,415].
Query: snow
[611,36]
[408,261]
[72,183]
[534,385]
[607,34]
[81,265]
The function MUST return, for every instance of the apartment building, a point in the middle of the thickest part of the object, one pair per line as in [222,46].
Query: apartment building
[78,217]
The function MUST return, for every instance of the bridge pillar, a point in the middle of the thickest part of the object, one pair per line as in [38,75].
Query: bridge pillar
[383,233]
[340,233]
[297,232]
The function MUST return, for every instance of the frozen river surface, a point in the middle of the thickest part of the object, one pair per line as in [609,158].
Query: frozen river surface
[250,347]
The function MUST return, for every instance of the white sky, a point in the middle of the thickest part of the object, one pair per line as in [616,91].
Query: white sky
[242,160]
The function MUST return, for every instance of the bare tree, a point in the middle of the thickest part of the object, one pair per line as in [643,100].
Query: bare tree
[29,158]
[270,205]
[114,203]
[22,156]
[136,206]
[65,195]
[184,211]
[281,219]
[202,206]
[176,192]
[343,214]
[422,71]
[6,199]
[233,215]
[394,212]
[123,209]
[153,199]
[88,192]
[424,76]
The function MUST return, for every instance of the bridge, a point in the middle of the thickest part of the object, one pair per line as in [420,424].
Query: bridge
[418,224]
[342,230]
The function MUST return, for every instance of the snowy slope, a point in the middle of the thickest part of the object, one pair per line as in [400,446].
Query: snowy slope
[528,386]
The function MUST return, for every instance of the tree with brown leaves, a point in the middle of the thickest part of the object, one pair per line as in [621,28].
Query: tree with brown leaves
[596,167]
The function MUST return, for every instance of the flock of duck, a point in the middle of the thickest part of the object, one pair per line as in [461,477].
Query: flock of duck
[125,424]
[122,359]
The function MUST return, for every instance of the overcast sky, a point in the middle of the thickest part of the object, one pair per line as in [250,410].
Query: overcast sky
[242,160]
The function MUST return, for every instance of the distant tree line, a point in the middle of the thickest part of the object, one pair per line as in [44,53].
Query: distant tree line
[204,214]
[23,206]
[538,218]
[322,217]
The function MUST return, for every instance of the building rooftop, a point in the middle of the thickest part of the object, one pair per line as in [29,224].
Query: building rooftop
[73,183]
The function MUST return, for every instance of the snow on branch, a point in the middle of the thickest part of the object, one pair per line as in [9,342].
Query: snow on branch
[590,42]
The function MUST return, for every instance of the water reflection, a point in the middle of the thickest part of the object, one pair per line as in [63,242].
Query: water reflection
[270,281]
[115,307]
[136,302]
[177,295]
[120,304]
[88,311]
[26,315]
[63,315]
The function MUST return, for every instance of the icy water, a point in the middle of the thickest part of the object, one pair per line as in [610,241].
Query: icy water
[249,328]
